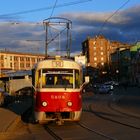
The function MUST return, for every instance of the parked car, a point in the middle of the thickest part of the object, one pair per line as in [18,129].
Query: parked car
[114,83]
[105,88]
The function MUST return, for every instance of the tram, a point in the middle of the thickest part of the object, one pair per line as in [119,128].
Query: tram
[57,90]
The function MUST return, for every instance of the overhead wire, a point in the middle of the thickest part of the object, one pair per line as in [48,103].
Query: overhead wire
[52,13]
[105,22]
[45,8]
[53,8]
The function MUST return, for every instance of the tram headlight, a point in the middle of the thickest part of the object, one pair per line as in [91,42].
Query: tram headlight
[44,103]
[69,103]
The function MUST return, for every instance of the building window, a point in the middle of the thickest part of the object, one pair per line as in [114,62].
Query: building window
[11,58]
[15,58]
[27,59]
[33,59]
[102,58]
[94,48]
[11,65]
[102,63]
[22,58]
[15,64]
[22,65]
[94,53]
[39,59]
[95,58]
[95,64]
[2,65]
[102,53]
[27,65]
[1,57]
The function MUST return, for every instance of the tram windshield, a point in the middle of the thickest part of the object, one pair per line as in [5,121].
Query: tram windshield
[59,78]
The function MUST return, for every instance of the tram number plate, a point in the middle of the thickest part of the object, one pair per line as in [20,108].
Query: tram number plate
[57,63]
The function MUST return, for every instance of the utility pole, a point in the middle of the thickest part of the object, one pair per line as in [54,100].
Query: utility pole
[46,39]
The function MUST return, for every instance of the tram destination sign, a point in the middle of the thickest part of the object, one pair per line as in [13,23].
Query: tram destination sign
[57,63]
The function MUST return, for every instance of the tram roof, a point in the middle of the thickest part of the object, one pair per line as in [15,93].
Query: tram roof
[58,62]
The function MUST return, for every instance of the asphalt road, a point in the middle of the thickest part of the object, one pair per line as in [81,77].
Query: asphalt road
[100,118]
[128,99]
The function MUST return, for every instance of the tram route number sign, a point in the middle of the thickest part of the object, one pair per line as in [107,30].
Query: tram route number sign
[57,63]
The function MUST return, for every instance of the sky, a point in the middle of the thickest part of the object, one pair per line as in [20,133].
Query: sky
[22,30]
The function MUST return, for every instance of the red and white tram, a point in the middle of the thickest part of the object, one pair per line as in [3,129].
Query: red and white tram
[57,84]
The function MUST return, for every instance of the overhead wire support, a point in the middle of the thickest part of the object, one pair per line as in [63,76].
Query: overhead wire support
[58,21]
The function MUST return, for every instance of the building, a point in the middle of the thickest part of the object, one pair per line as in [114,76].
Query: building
[135,55]
[80,59]
[121,64]
[98,49]
[18,61]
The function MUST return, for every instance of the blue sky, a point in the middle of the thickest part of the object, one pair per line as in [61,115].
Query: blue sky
[87,16]
[15,6]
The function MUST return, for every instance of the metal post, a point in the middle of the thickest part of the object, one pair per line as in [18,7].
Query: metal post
[46,40]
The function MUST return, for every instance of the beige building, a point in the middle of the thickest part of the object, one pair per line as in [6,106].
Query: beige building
[18,61]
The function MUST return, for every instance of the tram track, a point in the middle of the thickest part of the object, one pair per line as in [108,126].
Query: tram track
[104,115]
[123,112]
[115,121]
[108,122]
[52,133]
[79,126]
[97,132]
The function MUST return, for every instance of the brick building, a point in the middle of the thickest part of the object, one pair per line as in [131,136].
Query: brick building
[98,49]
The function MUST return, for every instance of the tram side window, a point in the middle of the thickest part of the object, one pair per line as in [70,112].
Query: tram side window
[77,79]
[43,80]
[38,78]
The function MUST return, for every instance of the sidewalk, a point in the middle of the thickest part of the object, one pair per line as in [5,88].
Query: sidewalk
[8,119]
[12,128]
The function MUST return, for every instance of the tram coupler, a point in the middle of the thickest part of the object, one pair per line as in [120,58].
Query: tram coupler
[59,122]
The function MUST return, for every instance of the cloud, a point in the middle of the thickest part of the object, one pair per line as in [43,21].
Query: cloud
[124,26]
[22,37]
